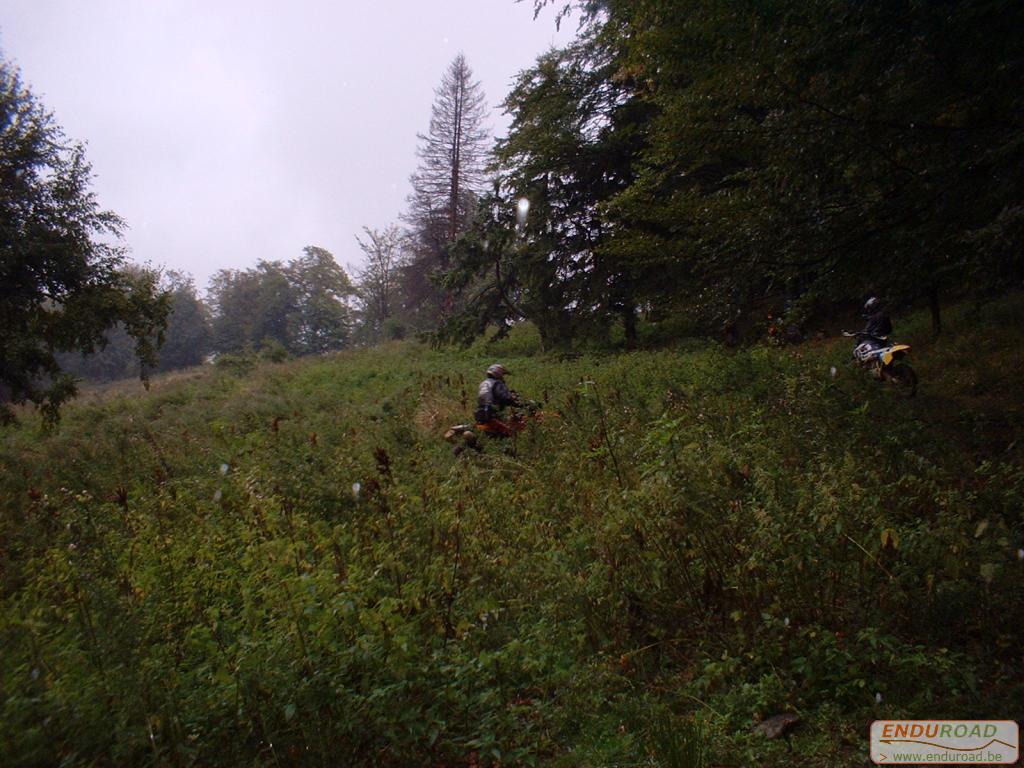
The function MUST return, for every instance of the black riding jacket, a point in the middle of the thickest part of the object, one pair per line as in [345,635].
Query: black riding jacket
[878,325]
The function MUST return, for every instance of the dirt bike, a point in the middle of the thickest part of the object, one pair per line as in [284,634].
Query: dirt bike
[885,361]
[467,435]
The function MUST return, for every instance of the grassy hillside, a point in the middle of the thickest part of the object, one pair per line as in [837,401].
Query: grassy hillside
[287,566]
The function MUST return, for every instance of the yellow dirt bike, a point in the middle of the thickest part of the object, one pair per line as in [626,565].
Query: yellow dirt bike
[885,361]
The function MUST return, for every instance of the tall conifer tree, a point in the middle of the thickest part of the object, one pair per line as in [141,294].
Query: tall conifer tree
[453,156]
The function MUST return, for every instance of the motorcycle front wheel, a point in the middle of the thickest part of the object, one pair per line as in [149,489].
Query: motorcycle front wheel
[903,378]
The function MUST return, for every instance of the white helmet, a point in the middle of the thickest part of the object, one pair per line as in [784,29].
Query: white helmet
[497,370]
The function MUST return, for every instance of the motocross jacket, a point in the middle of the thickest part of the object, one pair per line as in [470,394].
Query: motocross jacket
[879,325]
[494,394]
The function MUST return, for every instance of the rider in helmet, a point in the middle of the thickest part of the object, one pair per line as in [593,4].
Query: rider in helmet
[493,396]
[878,324]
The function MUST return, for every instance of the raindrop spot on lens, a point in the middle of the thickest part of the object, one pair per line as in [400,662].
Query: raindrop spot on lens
[522,208]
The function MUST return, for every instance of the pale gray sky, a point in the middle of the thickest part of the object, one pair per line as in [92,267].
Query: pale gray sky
[226,131]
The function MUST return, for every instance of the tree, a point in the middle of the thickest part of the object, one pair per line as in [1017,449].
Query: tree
[321,319]
[186,339]
[377,282]
[250,306]
[63,282]
[301,305]
[189,336]
[453,156]
[800,151]
[115,360]
[576,132]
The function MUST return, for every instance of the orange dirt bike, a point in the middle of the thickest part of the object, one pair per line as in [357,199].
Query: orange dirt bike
[467,435]
[885,361]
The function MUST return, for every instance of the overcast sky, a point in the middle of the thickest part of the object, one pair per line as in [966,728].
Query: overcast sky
[226,131]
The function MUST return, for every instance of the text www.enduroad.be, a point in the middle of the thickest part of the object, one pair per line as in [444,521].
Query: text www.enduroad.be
[951,757]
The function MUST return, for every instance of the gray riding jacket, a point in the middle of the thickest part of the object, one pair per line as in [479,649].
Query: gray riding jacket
[493,394]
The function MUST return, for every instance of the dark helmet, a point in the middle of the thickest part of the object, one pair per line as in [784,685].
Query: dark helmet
[872,305]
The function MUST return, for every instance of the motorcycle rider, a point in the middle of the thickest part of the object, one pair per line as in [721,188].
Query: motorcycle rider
[493,396]
[876,328]
[878,325]
[874,350]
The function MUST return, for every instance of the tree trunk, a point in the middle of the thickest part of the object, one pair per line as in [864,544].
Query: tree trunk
[933,305]
[629,325]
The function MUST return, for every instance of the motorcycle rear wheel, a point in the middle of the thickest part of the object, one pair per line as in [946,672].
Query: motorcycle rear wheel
[903,378]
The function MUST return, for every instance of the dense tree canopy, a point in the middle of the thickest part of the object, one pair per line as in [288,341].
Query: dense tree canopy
[301,305]
[251,306]
[63,281]
[809,149]
[322,319]
[709,158]
[189,336]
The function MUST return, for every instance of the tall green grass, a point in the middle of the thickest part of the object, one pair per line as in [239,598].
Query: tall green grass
[289,567]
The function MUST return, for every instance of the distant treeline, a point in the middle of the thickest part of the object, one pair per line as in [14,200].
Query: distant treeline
[304,306]
[309,305]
